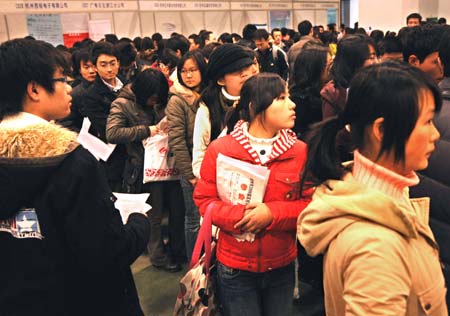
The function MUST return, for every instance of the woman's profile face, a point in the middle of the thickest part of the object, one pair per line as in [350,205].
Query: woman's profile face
[280,114]
[420,144]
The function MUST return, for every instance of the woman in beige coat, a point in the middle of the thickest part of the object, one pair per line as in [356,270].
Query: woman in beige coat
[380,254]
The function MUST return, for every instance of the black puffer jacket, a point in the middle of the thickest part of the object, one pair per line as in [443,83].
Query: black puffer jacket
[64,248]
[435,183]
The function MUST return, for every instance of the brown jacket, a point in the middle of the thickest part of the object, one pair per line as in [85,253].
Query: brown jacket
[380,254]
[180,112]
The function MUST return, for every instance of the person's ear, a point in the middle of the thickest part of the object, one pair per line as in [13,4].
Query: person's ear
[221,82]
[33,90]
[378,129]
[413,61]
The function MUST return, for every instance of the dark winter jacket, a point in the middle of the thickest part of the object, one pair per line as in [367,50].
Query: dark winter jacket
[333,103]
[273,61]
[75,119]
[180,111]
[96,105]
[308,109]
[435,183]
[129,124]
[65,249]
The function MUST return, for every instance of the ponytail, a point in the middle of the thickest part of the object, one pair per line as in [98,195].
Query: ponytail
[323,160]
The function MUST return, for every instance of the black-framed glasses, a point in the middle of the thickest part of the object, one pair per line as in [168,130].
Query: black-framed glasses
[64,79]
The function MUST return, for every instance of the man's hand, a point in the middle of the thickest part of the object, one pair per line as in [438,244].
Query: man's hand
[257,216]
[193,181]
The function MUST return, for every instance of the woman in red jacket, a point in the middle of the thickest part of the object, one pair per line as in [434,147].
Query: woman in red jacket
[256,275]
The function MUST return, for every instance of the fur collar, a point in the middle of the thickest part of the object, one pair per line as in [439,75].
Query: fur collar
[39,140]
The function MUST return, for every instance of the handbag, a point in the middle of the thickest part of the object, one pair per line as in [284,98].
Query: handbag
[159,161]
[197,295]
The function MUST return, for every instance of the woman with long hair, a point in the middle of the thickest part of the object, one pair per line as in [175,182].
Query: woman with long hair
[380,255]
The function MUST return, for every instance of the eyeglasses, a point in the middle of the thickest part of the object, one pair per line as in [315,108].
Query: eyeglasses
[64,79]
[188,71]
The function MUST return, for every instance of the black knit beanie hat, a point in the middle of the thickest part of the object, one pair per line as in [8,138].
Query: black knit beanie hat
[228,58]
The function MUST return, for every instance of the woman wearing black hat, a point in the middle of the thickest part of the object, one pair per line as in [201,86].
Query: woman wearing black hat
[229,66]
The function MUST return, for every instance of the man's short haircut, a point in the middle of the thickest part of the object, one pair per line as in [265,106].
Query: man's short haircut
[248,30]
[178,42]
[23,61]
[275,30]
[444,51]
[225,38]
[127,53]
[261,34]
[111,38]
[442,21]
[78,56]
[414,16]
[422,41]
[103,48]
[390,45]
[304,27]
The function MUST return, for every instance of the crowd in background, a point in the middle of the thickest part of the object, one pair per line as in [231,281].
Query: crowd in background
[210,93]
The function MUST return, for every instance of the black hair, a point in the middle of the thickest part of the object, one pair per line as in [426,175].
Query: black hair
[442,21]
[328,37]
[111,38]
[236,37]
[127,53]
[260,34]
[199,60]
[304,27]
[200,41]
[387,90]
[276,29]
[257,94]
[390,45]
[169,58]
[422,41]
[444,51]
[78,56]
[308,68]
[352,52]
[23,61]
[137,42]
[146,43]
[377,36]
[209,49]
[225,38]
[414,16]
[349,31]
[157,37]
[150,82]
[178,42]
[103,48]
[248,30]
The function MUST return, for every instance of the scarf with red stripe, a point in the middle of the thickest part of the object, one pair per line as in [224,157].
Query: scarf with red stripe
[282,144]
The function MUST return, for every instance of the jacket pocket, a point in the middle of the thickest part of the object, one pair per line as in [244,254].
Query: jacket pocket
[289,185]
[432,300]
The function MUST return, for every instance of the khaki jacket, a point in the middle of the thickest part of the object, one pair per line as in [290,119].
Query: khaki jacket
[381,257]
[180,112]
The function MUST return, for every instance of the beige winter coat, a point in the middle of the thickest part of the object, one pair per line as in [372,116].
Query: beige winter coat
[380,254]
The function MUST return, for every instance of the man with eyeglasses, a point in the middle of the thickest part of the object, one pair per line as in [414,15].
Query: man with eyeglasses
[64,248]
[97,102]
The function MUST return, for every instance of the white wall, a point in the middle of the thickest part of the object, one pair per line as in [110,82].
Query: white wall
[444,9]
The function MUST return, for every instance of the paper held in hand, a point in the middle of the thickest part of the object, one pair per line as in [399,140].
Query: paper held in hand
[94,145]
[239,182]
[131,203]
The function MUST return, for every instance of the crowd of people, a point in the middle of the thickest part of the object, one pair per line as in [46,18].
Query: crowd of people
[353,127]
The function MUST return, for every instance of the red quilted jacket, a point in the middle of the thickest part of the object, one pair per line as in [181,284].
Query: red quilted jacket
[275,247]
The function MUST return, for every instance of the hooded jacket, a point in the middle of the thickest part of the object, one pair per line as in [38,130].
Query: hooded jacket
[276,246]
[380,254]
[65,249]
[180,111]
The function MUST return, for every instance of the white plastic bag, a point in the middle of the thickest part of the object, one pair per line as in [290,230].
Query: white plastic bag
[159,162]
